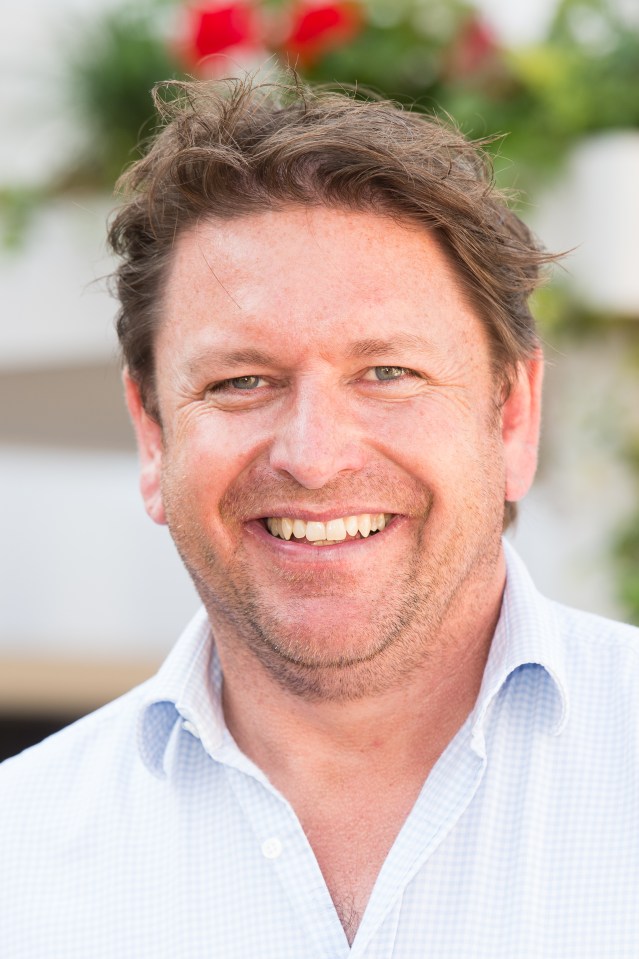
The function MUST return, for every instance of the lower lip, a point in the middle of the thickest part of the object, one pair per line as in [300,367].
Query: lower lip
[305,552]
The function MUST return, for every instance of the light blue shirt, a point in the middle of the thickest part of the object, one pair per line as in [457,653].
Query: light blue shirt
[142,830]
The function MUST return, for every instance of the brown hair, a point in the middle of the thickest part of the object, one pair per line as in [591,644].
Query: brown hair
[238,147]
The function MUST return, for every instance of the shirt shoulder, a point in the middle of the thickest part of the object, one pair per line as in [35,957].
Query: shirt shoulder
[602,635]
[89,746]
[601,669]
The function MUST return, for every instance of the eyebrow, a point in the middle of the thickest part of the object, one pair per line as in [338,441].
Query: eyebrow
[374,346]
[243,357]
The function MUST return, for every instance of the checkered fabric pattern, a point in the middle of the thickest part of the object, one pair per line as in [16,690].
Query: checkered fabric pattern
[142,831]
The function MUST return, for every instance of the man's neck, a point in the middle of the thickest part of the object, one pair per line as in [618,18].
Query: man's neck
[401,730]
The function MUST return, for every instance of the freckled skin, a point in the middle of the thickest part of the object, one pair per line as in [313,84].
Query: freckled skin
[317,430]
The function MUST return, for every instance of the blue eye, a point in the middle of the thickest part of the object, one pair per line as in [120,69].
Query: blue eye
[245,382]
[389,372]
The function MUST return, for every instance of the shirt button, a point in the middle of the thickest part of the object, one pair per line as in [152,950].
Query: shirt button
[272,848]
[190,728]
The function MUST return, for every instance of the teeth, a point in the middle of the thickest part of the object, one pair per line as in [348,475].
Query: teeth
[335,529]
[364,524]
[315,531]
[351,525]
[332,531]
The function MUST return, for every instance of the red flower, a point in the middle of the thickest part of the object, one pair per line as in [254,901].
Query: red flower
[319,27]
[475,50]
[214,28]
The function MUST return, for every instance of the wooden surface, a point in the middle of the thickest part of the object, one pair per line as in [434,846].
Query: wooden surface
[35,686]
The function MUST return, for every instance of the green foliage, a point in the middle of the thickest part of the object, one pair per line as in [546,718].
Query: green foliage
[17,207]
[400,52]
[582,78]
[111,74]
[625,547]
[626,557]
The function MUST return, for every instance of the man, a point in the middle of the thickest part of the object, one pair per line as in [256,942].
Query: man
[376,739]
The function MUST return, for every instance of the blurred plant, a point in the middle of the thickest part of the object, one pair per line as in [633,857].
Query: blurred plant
[118,57]
[234,29]
[581,80]
[17,208]
[316,29]
[439,53]
[110,72]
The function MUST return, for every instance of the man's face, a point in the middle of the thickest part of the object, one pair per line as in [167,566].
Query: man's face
[314,367]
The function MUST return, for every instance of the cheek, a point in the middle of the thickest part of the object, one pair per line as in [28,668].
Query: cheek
[439,437]
[203,461]
[191,470]
[209,438]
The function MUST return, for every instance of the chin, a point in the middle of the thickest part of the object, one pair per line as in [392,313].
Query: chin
[338,653]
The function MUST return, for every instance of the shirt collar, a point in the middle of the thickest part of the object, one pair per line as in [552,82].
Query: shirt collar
[527,634]
[185,692]
[187,688]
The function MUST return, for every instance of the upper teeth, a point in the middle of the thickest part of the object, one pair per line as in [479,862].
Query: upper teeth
[332,531]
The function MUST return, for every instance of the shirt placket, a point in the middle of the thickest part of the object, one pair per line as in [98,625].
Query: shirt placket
[281,841]
[445,796]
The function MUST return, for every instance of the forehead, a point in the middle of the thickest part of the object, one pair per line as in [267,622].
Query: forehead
[312,276]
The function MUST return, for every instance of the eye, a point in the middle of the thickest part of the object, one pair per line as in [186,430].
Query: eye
[244,383]
[389,372]
[241,392]
[383,374]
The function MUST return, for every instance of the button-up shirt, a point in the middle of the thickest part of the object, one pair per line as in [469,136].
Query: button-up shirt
[143,831]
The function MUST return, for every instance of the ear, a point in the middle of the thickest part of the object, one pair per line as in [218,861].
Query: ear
[521,423]
[148,433]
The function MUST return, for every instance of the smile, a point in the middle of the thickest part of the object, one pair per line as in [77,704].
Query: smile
[330,532]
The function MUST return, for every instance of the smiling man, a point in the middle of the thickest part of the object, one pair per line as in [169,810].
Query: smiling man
[376,739]
[332,552]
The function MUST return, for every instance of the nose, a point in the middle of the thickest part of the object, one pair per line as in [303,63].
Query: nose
[316,438]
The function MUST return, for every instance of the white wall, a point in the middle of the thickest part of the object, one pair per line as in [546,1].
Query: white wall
[84,572]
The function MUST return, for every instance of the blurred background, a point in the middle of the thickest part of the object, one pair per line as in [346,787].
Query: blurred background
[92,594]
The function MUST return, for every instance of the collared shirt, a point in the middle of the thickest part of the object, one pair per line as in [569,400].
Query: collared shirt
[143,831]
